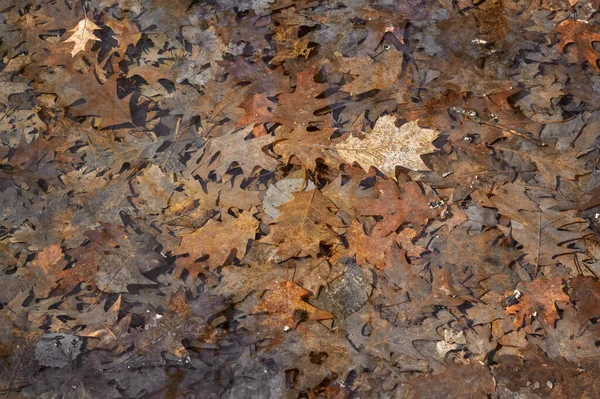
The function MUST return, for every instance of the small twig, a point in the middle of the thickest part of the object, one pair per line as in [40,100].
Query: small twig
[539,240]
[472,115]
[176,142]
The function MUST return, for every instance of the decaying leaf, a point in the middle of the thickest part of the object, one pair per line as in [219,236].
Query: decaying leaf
[388,146]
[309,199]
[583,34]
[234,147]
[481,382]
[538,297]
[82,34]
[217,239]
[285,305]
[305,222]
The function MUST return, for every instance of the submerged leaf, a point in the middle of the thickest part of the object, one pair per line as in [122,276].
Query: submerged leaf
[388,146]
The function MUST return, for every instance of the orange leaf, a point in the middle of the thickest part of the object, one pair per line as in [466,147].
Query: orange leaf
[286,306]
[582,34]
[49,258]
[539,296]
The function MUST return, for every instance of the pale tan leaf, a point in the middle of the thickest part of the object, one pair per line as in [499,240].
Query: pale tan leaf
[388,146]
[82,33]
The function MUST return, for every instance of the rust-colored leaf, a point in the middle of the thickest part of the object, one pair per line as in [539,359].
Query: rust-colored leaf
[285,305]
[538,297]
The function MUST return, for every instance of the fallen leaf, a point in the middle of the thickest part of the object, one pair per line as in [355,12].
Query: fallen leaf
[218,238]
[585,293]
[82,34]
[305,222]
[285,305]
[583,34]
[388,146]
[477,376]
[538,296]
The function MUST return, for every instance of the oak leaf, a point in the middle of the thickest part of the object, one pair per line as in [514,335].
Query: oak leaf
[286,305]
[388,146]
[547,235]
[484,253]
[289,46]
[50,258]
[583,35]
[305,222]
[585,292]
[183,319]
[312,273]
[46,266]
[369,73]
[257,109]
[112,260]
[347,194]
[222,151]
[398,204]
[127,33]
[388,341]
[533,368]
[446,385]
[549,163]
[281,192]
[103,326]
[371,249]
[297,109]
[100,97]
[82,34]
[583,386]
[218,238]
[154,189]
[239,282]
[538,296]
[309,147]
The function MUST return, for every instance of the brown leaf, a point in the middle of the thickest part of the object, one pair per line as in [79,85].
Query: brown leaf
[257,109]
[222,151]
[127,33]
[533,368]
[453,381]
[389,342]
[288,45]
[182,319]
[582,386]
[218,238]
[374,249]
[547,235]
[538,296]
[45,268]
[154,189]
[103,326]
[582,34]
[305,222]
[585,293]
[369,73]
[286,306]
[309,147]
[297,109]
[399,203]
[50,259]
[100,99]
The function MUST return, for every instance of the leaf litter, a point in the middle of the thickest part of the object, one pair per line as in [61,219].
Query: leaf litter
[311,199]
